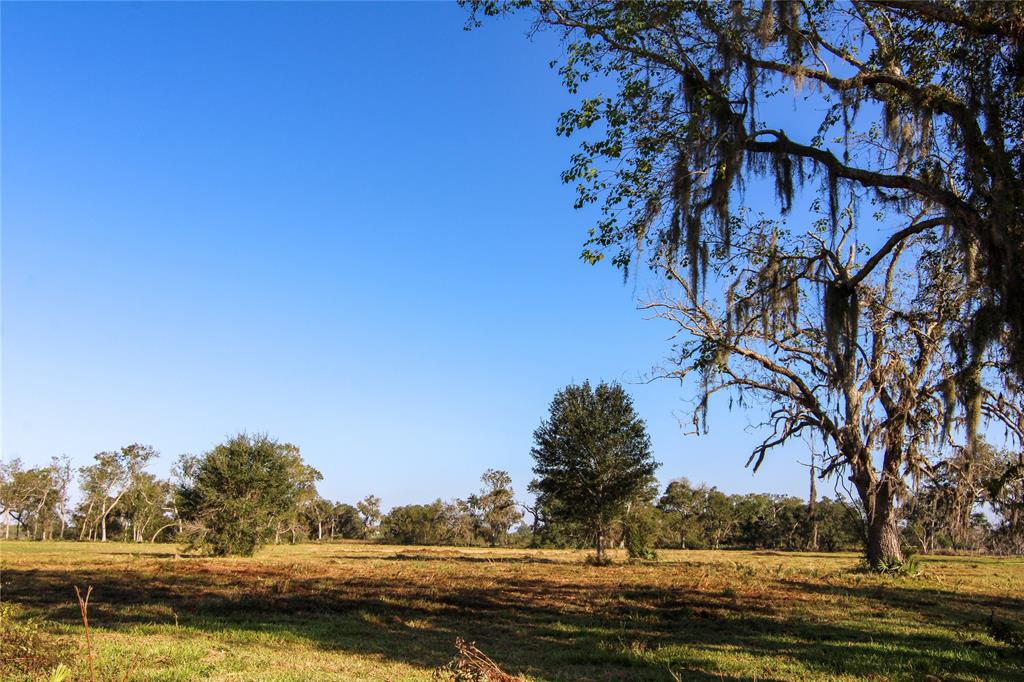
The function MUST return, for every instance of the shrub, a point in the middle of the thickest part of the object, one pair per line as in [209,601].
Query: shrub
[640,528]
[1006,631]
[28,649]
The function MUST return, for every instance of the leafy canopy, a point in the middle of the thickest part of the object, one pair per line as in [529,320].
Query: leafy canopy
[909,113]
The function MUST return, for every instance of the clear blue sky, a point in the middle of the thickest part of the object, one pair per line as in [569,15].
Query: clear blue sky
[340,224]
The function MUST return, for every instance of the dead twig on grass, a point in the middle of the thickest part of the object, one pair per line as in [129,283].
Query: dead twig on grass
[83,606]
[472,665]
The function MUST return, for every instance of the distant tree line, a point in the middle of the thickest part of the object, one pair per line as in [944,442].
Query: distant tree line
[253,490]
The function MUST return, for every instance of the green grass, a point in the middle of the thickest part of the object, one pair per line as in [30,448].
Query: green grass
[357,611]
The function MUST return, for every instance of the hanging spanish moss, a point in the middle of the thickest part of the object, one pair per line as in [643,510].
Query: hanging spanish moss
[948,391]
[971,348]
[789,22]
[765,29]
[782,165]
[841,320]
[833,203]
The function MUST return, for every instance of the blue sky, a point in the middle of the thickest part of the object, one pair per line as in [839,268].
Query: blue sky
[341,224]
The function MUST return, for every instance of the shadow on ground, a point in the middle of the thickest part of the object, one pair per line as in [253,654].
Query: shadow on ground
[550,627]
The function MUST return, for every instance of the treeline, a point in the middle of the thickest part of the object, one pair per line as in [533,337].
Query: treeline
[117,498]
[973,500]
[253,490]
[683,517]
[243,493]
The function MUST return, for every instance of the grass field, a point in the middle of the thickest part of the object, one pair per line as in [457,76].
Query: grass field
[357,611]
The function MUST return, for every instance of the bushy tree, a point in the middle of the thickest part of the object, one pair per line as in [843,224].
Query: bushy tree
[417,524]
[592,458]
[412,524]
[234,496]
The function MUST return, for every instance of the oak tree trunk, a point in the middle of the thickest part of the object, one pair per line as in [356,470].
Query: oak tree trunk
[884,542]
[812,511]
[878,497]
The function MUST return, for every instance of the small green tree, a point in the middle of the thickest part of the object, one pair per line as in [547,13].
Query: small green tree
[369,512]
[233,496]
[592,458]
[346,522]
[683,504]
[416,524]
[641,526]
[496,505]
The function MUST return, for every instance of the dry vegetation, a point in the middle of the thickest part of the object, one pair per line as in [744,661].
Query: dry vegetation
[357,611]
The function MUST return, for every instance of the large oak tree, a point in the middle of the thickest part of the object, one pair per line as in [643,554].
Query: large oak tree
[908,133]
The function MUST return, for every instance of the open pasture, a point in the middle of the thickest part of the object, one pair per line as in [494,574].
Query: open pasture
[361,611]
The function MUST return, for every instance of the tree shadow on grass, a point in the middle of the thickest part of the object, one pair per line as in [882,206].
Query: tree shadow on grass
[548,628]
[435,555]
[930,602]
